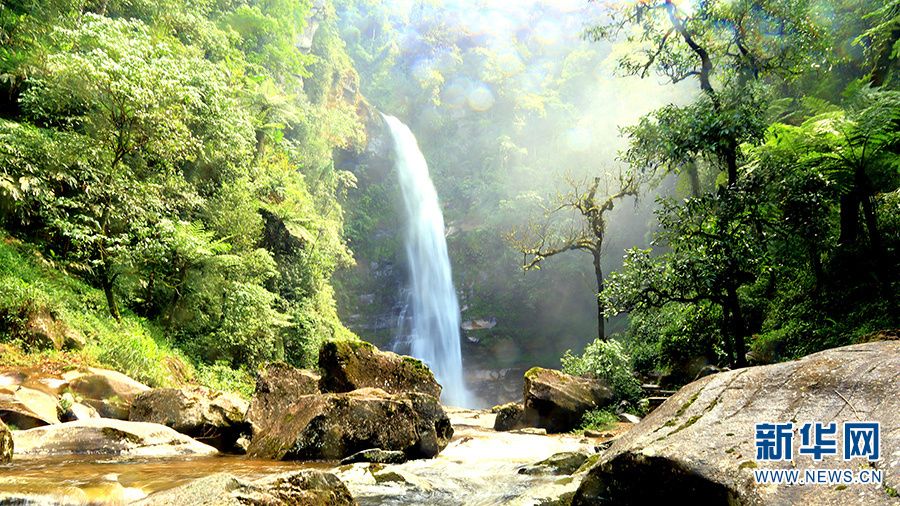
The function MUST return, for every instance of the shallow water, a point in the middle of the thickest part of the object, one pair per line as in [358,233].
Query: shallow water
[479,466]
[102,480]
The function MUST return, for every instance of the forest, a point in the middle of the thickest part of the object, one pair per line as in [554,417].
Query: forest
[182,181]
[265,252]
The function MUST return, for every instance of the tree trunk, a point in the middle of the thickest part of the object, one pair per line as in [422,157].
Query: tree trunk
[694,178]
[849,219]
[108,282]
[726,338]
[601,315]
[737,328]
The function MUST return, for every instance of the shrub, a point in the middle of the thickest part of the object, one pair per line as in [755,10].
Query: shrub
[598,419]
[607,361]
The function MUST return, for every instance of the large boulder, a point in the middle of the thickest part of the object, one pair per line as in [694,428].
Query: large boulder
[350,365]
[334,426]
[278,378]
[278,385]
[510,416]
[26,408]
[699,446]
[104,436]
[557,401]
[210,416]
[109,392]
[299,488]
[6,444]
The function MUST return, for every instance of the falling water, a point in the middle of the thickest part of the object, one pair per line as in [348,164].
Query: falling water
[434,336]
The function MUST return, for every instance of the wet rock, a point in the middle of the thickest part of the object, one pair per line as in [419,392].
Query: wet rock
[534,431]
[210,416]
[109,392]
[6,444]
[304,488]
[376,456]
[558,463]
[278,385]
[26,408]
[699,445]
[103,436]
[350,365]
[414,485]
[334,426]
[510,416]
[70,410]
[557,401]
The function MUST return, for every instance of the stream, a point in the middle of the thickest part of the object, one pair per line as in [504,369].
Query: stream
[479,467]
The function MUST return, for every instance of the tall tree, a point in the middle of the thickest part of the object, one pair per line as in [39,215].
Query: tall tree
[582,211]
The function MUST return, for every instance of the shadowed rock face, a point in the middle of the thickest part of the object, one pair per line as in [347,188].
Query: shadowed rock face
[510,416]
[303,488]
[350,365]
[699,445]
[557,401]
[334,426]
[26,408]
[212,417]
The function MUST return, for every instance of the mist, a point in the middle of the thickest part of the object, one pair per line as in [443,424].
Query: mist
[508,103]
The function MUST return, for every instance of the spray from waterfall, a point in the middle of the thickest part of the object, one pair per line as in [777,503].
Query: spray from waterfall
[434,334]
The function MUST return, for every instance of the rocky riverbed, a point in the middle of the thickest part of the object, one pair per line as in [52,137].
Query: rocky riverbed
[478,466]
[379,439]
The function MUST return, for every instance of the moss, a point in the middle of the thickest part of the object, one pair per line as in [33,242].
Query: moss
[416,364]
[890,491]
[589,463]
[691,421]
[530,373]
[748,464]
[684,407]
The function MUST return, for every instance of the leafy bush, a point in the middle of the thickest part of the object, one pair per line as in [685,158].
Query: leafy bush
[221,376]
[598,419]
[607,361]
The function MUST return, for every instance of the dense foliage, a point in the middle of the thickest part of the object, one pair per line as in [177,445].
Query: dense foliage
[178,156]
[788,245]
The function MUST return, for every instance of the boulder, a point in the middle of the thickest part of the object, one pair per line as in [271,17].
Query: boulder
[510,416]
[209,416]
[351,365]
[104,436]
[557,401]
[70,410]
[558,463]
[26,408]
[298,488]
[277,386]
[109,392]
[278,378]
[6,444]
[699,446]
[334,426]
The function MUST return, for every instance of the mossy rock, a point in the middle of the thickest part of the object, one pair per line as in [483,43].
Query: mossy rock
[350,365]
[6,444]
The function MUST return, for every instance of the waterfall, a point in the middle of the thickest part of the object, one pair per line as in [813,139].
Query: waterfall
[434,309]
